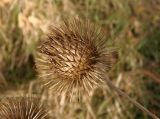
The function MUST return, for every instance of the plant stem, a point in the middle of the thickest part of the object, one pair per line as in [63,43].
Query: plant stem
[123,94]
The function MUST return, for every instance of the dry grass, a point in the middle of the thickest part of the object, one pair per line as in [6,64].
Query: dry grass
[130,25]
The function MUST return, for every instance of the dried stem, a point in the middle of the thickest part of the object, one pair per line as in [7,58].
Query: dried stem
[123,94]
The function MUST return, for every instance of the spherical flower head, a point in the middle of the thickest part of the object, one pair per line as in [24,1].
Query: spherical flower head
[21,108]
[73,58]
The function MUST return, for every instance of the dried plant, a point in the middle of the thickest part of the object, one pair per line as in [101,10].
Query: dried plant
[74,57]
[22,108]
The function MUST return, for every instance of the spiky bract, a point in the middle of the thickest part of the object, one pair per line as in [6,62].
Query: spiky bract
[73,58]
[22,108]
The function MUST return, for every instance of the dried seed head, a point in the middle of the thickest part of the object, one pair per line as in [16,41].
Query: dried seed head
[73,57]
[21,108]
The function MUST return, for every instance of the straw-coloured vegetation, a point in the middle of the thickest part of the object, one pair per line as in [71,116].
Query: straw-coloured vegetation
[130,25]
[22,108]
[74,58]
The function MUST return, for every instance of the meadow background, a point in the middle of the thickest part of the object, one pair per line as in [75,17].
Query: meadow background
[131,25]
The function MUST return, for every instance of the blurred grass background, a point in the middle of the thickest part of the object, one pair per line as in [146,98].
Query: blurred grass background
[131,25]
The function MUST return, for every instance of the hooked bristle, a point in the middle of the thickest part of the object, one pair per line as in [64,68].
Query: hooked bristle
[22,108]
[74,57]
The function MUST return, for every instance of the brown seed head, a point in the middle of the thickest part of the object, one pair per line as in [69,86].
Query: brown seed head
[73,57]
[21,108]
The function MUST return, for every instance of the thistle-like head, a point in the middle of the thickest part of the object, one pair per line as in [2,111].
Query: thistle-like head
[22,108]
[74,57]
